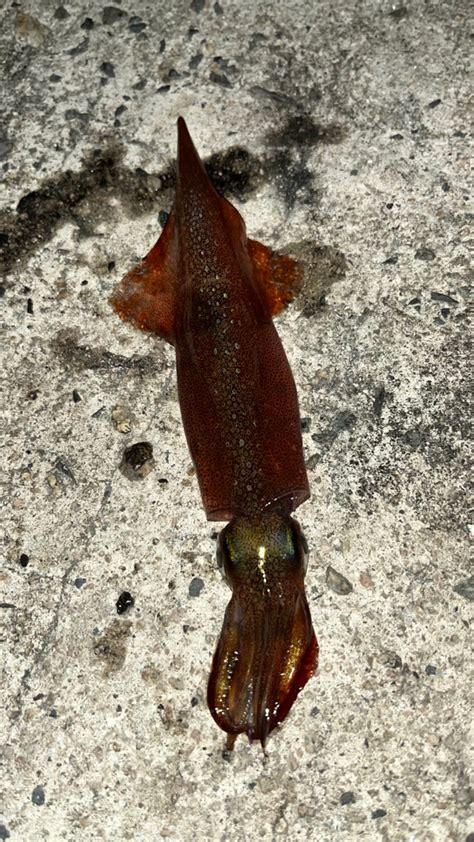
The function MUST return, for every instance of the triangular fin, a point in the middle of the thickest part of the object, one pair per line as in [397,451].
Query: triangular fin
[279,276]
[146,295]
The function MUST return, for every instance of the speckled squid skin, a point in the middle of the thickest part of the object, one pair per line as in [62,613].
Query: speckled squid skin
[211,292]
[236,391]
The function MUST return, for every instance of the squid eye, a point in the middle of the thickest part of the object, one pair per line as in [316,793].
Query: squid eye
[220,558]
[305,548]
[301,545]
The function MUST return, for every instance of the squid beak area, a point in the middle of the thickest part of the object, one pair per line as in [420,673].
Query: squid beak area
[266,653]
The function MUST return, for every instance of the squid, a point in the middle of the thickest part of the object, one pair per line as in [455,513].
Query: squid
[211,292]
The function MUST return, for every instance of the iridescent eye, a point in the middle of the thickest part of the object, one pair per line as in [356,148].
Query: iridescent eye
[304,544]
[220,556]
[301,545]
[305,548]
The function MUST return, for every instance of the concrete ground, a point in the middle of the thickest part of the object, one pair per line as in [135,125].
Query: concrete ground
[340,130]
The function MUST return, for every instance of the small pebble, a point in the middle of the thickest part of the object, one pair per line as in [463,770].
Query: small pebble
[77,51]
[337,582]
[379,814]
[136,24]
[399,13]
[24,560]
[111,14]
[466,589]
[347,798]
[366,581]
[76,396]
[108,69]
[379,400]
[220,79]
[424,253]
[443,296]
[124,602]
[38,796]
[195,587]
[29,28]
[137,460]
[121,419]
[61,13]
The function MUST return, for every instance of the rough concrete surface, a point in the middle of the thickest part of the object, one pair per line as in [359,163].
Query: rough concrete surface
[340,130]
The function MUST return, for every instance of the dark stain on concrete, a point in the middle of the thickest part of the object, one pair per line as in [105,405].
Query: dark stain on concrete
[235,172]
[111,647]
[323,266]
[343,421]
[292,178]
[301,131]
[66,344]
[291,146]
[64,197]
[40,212]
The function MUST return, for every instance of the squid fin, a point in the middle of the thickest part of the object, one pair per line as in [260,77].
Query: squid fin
[279,276]
[146,295]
